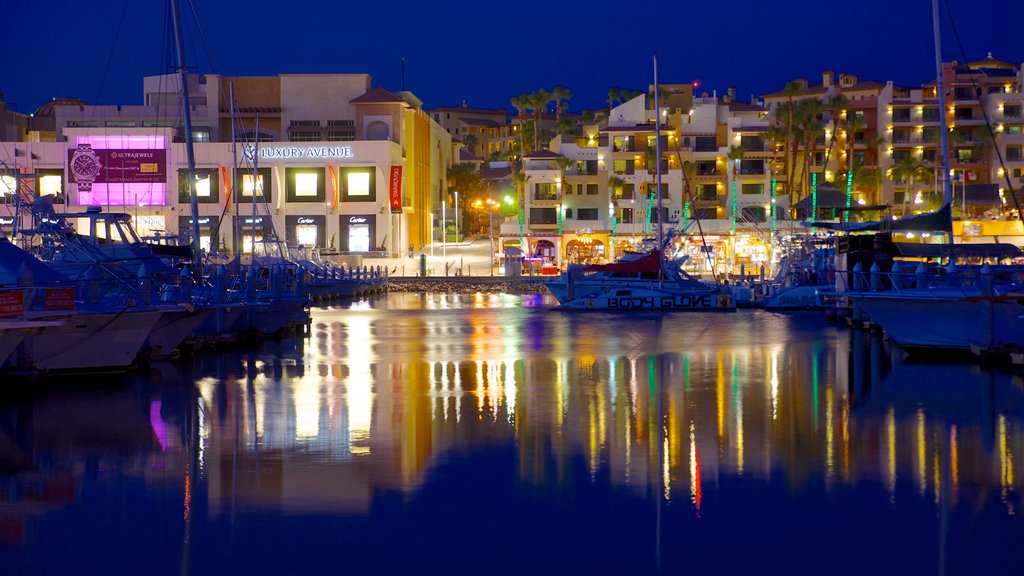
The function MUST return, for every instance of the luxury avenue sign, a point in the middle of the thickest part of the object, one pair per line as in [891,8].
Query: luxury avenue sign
[298,152]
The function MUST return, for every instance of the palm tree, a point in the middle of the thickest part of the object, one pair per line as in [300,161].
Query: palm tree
[615,185]
[874,143]
[613,96]
[907,171]
[519,177]
[560,94]
[538,101]
[521,103]
[735,155]
[810,127]
[689,171]
[836,105]
[464,177]
[791,90]
[774,136]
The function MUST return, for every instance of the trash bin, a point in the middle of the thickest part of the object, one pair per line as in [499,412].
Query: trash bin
[423,264]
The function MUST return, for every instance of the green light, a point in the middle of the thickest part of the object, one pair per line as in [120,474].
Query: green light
[733,229]
[650,204]
[814,197]
[559,220]
[508,199]
[652,377]
[773,206]
[686,211]
[849,195]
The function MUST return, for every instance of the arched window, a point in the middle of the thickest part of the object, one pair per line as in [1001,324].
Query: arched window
[378,130]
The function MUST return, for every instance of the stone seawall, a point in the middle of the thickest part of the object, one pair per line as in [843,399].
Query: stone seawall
[467,285]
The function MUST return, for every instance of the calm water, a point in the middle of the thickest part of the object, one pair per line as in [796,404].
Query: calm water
[456,434]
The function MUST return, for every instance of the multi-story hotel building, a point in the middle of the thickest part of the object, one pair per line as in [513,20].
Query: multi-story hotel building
[322,160]
[591,197]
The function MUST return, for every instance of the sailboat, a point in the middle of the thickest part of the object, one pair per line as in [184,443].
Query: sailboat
[956,306]
[648,280]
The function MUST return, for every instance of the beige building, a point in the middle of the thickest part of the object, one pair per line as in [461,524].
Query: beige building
[322,160]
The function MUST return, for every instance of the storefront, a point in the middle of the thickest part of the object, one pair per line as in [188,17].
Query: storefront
[255,228]
[308,231]
[586,248]
[357,233]
[207,227]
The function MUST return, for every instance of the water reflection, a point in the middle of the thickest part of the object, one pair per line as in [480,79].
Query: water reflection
[669,428]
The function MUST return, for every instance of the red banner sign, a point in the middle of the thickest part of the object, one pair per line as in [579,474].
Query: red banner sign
[60,299]
[12,304]
[395,190]
[118,166]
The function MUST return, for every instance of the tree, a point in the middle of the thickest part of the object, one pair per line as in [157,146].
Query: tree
[561,94]
[791,90]
[836,105]
[735,156]
[466,179]
[908,171]
[808,127]
[613,97]
[521,103]
[470,142]
[538,101]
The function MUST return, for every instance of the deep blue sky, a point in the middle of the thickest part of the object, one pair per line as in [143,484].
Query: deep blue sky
[488,52]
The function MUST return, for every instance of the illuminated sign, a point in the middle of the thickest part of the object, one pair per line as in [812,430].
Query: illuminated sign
[302,220]
[357,220]
[6,221]
[254,220]
[395,194]
[297,152]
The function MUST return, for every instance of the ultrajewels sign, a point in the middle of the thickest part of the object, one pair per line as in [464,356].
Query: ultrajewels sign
[298,153]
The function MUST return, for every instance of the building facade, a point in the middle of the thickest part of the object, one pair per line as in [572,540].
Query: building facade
[317,160]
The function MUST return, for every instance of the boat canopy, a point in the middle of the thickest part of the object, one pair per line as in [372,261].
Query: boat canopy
[650,262]
[12,261]
[938,221]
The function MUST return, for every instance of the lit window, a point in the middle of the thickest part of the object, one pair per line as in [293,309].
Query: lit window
[7,185]
[203,186]
[306,184]
[305,234]
[358,183]
[50,185]
[359,238]
[247,185]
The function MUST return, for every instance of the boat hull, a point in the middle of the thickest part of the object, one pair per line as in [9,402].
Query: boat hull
[650,299]
[90,341]
[945,322]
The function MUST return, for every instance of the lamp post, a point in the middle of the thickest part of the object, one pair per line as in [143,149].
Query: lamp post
[457,237]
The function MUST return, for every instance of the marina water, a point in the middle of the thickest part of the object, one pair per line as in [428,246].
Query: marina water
[487,434]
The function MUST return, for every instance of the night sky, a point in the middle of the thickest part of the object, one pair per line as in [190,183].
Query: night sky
[485,52]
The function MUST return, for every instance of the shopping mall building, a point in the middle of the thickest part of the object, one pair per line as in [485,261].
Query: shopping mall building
[319,160]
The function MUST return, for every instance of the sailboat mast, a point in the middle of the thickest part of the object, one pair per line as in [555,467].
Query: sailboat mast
[657,161]
[940,95]
[234,172]
[255,184]
[197,269]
